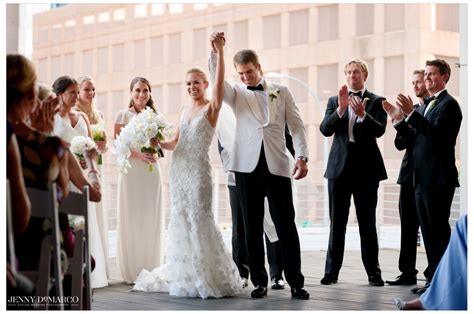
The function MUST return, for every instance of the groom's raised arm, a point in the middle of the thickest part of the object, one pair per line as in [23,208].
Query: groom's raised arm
[229,91]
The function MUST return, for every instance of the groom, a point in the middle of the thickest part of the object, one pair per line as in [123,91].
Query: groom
[261,165]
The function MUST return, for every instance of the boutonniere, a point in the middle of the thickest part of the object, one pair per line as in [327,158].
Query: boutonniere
[431,106]
[273,94]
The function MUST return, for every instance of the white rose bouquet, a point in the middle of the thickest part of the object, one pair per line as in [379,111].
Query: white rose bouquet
[137,134]
[80,145]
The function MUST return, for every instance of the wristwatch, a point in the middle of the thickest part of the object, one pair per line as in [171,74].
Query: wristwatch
[303,158]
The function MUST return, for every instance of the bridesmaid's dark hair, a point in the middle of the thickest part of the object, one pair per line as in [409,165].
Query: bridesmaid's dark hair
[62,83]
[150,102]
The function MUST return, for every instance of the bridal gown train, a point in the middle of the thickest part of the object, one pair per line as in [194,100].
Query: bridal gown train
[64,130]
[197,261]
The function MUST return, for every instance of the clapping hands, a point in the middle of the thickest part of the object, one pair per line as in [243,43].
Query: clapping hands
[404,106]
[42,115]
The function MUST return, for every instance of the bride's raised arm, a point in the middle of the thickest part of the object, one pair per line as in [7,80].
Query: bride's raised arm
[218,88]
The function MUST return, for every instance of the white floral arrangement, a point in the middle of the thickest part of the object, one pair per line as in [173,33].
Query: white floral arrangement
[80,145]
[136,135]
[274,94]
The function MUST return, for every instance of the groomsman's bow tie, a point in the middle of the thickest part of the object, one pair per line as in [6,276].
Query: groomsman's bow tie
[427,100]
[359,93]
[258,87]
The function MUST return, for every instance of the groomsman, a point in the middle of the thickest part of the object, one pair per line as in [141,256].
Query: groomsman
[435,176]
[356,119]
[406,203]
[261,166]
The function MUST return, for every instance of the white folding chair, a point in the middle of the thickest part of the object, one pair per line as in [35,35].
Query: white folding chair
[80,264]
[44,205]
[10,238]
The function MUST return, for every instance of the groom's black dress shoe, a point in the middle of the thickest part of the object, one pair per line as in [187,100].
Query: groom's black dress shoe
[329,279]
[402,280]
[376,280]
[259,292]
[299,293]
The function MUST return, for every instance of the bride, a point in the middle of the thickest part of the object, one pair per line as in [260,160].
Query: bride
[197,262]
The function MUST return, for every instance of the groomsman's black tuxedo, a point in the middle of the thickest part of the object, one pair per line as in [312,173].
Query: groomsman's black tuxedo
[354,169]
[407,206]
[435,174]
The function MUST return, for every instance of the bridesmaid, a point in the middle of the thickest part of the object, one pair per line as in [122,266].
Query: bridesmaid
[140,219]
[86,104]
[69,123]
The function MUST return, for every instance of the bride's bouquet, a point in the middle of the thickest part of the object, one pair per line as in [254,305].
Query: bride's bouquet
[137,134]
[80,145]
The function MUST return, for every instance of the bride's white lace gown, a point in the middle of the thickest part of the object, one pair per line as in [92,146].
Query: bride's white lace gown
[197,261]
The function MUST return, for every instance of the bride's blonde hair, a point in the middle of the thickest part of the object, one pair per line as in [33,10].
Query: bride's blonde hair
[200,72]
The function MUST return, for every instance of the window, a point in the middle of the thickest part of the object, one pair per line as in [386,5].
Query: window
[103,60]
[157,94]
[200,43]
[364,19]
[328,22]
[369,84]
[327,81]
[241,35]
[157,9]
[43,70]
[119,15]
[220,28]
[101,102]
[175,8]
[69,29]
[43,34]
[447,17]
[394,17]
[453,83]
[69,64]
[174,98]
[156,49]
[271,32]
[174,48]
[56,32]
[140,10]
[118,58]
[299,27]
[140,54]
[394,77]
[104,17]
[56,70]
[119,102]
[300,92]
[200,6]
[87,63]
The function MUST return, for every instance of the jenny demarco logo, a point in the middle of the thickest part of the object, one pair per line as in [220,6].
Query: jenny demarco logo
[52,301]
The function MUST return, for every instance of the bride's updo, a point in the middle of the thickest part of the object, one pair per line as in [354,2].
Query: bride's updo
[198,71]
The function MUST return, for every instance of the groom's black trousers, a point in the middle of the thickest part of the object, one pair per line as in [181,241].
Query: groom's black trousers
[253,187]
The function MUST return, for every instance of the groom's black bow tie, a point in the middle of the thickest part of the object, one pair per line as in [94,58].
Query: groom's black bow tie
[258,87]
[359,93]
[427,100]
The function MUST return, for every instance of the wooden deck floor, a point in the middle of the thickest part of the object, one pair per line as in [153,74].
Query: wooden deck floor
[352,292]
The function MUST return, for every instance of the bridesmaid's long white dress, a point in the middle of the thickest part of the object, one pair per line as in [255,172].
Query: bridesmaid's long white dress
[140,218]
[64,130]
[197,261]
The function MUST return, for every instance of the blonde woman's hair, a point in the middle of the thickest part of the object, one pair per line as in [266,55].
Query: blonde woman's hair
[200,72]
[93,115]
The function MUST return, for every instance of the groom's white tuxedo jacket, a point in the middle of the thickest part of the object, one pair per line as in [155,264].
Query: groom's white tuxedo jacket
[252,130]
